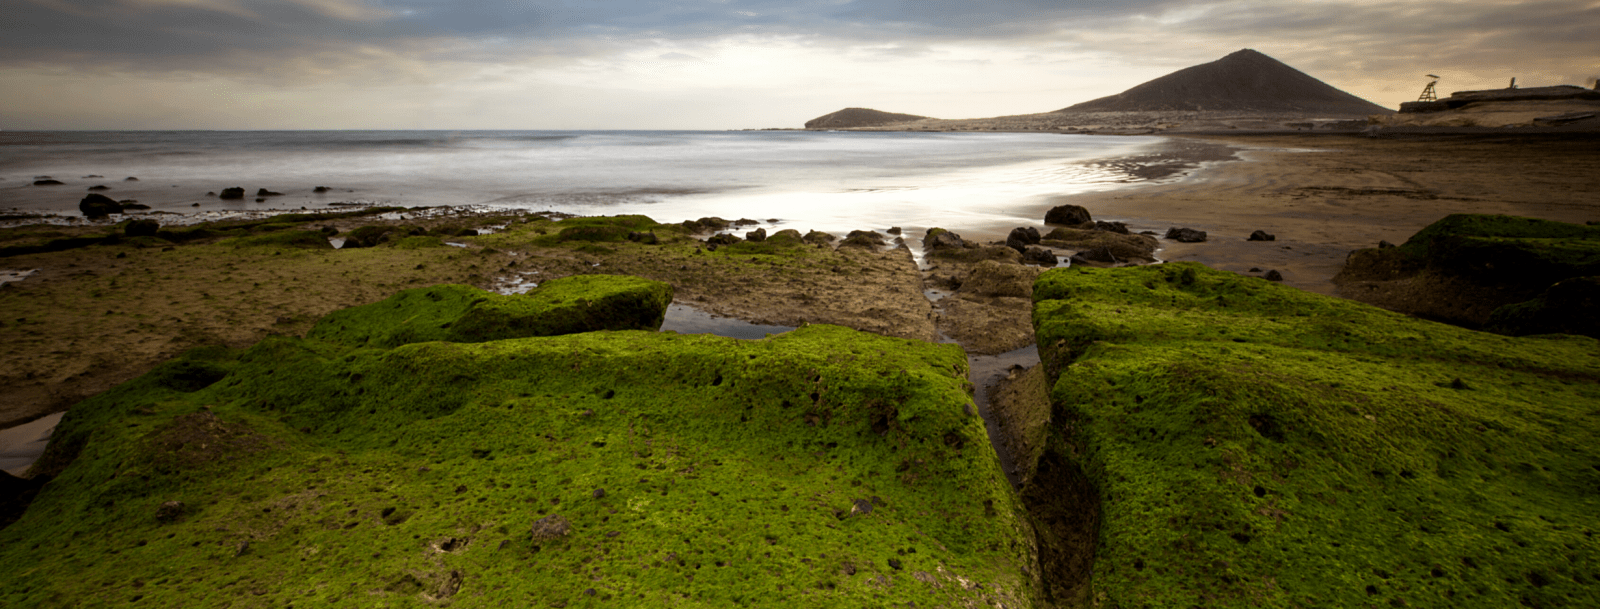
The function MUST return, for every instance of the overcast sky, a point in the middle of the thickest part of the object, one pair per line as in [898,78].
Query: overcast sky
[728,64]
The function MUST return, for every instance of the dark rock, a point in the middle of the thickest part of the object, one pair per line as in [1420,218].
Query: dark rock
[99,206]
[1273,275]
[47,182]
[941,239]
[194,205]
[757,235]
[1098,254]
[860,507]
[1039,255]
[550,527]
[329,231]
[1021,237]
[863,239]
[745,222]
[92,176]
[893,230]
[1255,269]
[170,511]
[236,192]
[1148,232]
[1383,245]
[211,193]
[259,199]
[723,239]
[647,238]
[894,564]
[16,494]
[1262,235]
[262,192]
[599,493]
[1565,308]
[128,204]
[818,237]
[1072,215]
[130,179]
[1186,235]
[142,228]
[99,187]
[1113,227]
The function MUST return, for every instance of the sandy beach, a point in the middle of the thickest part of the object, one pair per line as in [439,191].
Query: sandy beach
[1324,195]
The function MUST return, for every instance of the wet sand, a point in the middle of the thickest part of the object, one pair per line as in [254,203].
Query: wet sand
[1325,195]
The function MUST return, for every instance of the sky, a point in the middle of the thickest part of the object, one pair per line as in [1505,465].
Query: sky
[721,64]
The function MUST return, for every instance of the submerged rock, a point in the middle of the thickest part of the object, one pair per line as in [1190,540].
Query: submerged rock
[234,192]
[1041,256]
[1261,235]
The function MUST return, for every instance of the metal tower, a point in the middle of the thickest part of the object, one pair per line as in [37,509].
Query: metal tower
[1427,92]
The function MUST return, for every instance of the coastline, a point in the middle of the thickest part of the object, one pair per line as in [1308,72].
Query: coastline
[1324,195]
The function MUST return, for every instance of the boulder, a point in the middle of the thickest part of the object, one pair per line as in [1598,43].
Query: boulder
[1186,235]
[1123,247]
[128,204]
[1021,237]
[235,192]
[1568,307]
[757,235]
[941,239]
[1041,256]
[723,239]
[262,192]
[97,205]
[1113,227]
[1262,235]
[863,239]
[818,237]
[47,182]
[142,228]
[647,238]
[130,179]
[98,187]
[990,278]
[321,189]
[1273,275]
[1098,254]
[1071,215]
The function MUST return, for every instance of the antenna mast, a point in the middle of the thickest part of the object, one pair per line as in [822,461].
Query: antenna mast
[1427,92]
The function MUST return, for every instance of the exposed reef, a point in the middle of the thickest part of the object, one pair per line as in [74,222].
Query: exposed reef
[1230,442]
[821,467]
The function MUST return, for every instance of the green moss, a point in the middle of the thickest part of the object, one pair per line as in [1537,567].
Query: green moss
[694,470]
[300,239]
[419,242]
[1252,445]
[1568,307]
[461,313]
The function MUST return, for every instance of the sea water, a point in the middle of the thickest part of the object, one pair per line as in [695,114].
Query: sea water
[828,181]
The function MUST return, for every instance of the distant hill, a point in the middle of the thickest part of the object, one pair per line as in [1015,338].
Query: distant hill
[1245,81]
[859,117]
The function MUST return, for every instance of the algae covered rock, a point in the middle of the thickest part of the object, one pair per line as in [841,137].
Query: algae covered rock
[321,474]
[1568,307]
[459,313]
[1465,266]
[1244,444]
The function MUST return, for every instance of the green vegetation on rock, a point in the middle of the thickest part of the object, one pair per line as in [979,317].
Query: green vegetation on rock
[823,467]
[464,314]
[1238,443]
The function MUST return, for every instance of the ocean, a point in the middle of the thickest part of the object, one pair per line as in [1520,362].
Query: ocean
[829,181]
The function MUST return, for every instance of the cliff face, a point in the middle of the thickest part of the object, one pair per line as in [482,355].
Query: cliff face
[859,117]
[1242,81]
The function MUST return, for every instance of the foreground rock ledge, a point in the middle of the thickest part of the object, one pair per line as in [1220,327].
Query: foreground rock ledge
[821,467]
[1244,444]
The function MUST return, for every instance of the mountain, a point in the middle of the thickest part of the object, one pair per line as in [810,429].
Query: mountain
[1243,81]
[859,117]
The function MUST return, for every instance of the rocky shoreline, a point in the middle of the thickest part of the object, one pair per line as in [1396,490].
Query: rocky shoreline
[194,335]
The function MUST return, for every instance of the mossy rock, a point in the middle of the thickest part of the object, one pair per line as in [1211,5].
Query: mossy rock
[998,253]
[299,239]
[1568,307]
[822,467]
[1245,444]
[459,313]
[594,233]
[1121,245]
